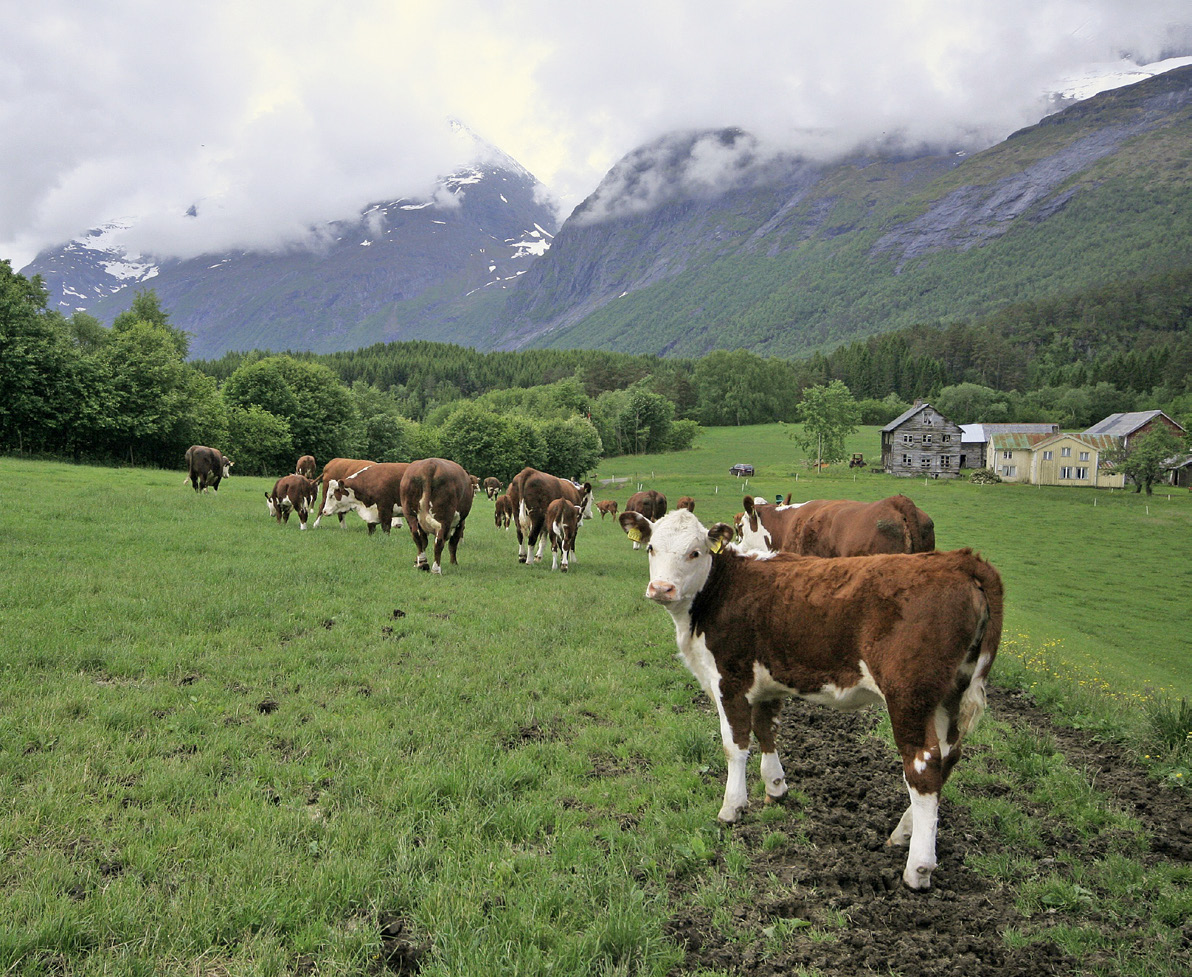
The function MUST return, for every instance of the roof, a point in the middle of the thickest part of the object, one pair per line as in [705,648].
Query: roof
[978,433]
[1033,442]
[1123,425]
[1011,440]
[905,416]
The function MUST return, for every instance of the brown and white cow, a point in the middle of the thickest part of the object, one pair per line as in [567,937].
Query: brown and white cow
[686,502]
[531,493]
[606,508]
[562,524]
[503,511]
[292,493]
[436,495]
[492,487]
[838,527]
[650,504]
[206,467]
[374,493]
[306,466]
[917,632]
[338,469]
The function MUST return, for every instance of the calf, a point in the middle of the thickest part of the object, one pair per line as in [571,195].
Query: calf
[562,523]
[206,467]
[374,493]
[338,469]
[686,502]
[492,487]
[503,511]
[650,504]
[306,466]
[918,632]
[436,495]
[607,508]
[292,493]
[838,527]
[531,493]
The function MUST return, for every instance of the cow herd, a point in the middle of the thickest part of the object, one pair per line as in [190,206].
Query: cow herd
[839,602]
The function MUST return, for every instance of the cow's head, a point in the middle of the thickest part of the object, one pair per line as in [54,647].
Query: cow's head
[270,504]
[585,501]
[680,551]
[227,466]
[340,498]
[754,536]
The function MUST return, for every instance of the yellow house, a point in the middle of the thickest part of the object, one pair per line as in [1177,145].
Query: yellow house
[1055,459]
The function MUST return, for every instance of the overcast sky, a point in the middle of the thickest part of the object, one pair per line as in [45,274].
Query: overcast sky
[270,116]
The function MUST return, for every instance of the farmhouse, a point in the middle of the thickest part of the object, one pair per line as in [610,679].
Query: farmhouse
[1055,459]
[1134,424]
[976,437]
[921,441]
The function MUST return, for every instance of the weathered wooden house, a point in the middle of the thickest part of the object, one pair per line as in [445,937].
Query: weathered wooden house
[921,441]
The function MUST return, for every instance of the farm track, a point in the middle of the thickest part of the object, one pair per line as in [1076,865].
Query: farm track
[854,795]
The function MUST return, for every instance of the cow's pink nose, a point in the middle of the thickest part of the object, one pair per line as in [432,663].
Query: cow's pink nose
[660,590]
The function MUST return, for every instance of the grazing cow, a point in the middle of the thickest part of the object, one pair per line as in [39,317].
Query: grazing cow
[503,511]
[562,523]
[206,467]
[531,493]
[687,502]
[436,495]
[306,466]
[918,632]
[292,493]
[339,469]
[650,504]
[838,527]
[492,487]
[607,508]
[374,493]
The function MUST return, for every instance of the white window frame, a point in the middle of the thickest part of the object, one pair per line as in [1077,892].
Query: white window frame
[1047,456]
[1065,452]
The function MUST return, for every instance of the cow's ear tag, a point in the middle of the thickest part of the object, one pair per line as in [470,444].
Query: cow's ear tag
[715,545]
[634,534]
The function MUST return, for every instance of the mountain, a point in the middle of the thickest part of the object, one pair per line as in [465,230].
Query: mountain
[392,273]
[787,256]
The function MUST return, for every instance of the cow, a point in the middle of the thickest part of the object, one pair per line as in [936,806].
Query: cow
[503,511]
[562,524]
[339,469]
[374,493]
[531,493]
[838,527]
[917,632]
[607,508]
[475,483]
[292,493]
[206,467]
[436,495]
[686,502]
[492,487]
[306,466]
[650,504]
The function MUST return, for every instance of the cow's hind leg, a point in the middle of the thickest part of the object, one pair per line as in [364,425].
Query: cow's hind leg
[440,539]
[765,725]
[453,542]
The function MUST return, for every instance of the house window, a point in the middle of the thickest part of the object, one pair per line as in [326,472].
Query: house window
[945,438]
[1082,473]
[906,460]
[925,462]
[1066,471]
[1065,452]
[908,439]
[1010,470]
[1007,455]
[927,439]
[945,461]
[1084,456]
[1047,456]
[927,419]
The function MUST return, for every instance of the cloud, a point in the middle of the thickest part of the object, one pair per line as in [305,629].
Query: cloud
[271,117]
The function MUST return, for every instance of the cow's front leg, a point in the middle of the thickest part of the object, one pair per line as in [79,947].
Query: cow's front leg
[922,768]
[734,732]
[765,726]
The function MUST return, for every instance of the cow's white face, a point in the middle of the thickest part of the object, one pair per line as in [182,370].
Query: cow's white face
[680,551]
[227,467]
[270,506]
[340,498]
[754,536]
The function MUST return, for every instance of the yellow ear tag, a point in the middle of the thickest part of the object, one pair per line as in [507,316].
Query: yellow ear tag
[715,545]
[634,534]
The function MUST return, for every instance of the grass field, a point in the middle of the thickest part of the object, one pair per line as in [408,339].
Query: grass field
[230,747]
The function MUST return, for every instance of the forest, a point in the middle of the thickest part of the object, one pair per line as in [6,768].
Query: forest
[73,388]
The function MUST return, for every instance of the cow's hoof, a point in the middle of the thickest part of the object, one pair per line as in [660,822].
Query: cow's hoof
[729,815]
[521,559]
[777,798]
[422,566]
[918,878]
[437,569]
[562,569]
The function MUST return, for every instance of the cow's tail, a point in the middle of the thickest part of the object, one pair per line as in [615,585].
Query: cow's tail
[989,597]
[424,502]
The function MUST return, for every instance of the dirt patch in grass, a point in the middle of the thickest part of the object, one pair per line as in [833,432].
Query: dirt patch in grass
[829,897]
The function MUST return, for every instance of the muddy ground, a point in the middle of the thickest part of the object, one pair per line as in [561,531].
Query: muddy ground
[855,795]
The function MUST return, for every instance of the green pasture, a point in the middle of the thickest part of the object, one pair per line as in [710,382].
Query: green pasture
[229,747]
